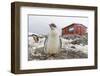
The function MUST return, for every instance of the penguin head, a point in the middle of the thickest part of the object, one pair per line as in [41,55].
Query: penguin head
[52,26]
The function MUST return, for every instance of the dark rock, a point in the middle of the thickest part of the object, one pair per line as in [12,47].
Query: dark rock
[73,47]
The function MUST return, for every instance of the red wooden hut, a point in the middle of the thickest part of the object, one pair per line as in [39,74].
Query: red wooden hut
[74,29]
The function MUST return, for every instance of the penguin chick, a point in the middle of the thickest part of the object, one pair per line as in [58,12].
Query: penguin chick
[52,43]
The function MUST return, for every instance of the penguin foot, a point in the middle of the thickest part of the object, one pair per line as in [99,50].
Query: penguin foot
[52,55]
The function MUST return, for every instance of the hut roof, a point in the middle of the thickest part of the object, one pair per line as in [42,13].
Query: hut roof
[74,24]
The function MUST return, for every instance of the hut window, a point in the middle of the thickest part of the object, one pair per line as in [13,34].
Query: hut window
[71,29]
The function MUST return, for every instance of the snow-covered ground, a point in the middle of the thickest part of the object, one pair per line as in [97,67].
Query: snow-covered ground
[68,50]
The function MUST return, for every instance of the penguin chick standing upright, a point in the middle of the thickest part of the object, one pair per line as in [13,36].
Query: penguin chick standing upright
[52,43]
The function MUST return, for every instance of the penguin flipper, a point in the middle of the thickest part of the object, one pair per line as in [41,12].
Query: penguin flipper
[45,44]
[60,42]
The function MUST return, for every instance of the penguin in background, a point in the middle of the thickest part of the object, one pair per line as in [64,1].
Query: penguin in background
[52,44]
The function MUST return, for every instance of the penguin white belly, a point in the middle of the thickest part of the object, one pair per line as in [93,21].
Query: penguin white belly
[53,43]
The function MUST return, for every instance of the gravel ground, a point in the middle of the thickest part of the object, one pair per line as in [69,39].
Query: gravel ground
[38,54]
[71,49]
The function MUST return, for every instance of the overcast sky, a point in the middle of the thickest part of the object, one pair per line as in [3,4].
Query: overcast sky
[40,24]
